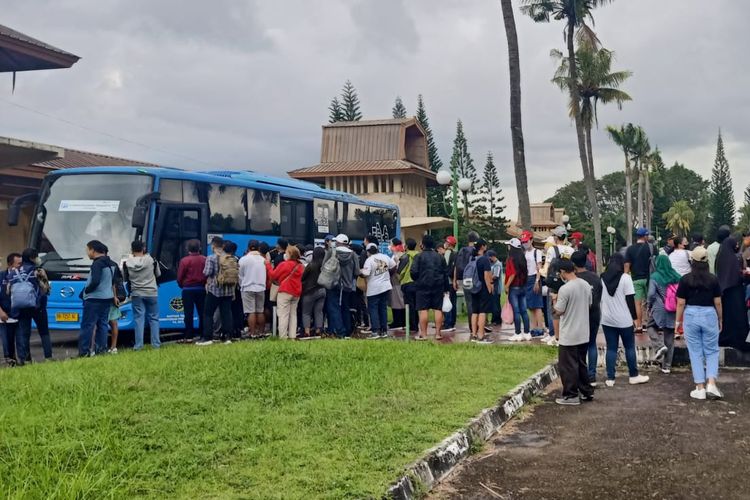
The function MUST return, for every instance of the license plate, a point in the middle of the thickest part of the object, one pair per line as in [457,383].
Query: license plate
[66,317]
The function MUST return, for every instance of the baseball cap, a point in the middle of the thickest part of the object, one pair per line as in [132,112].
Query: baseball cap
[560,231]
[330,237]
[526,236]
[577,236]
[515,243]
[700,254]
[642,231]
[491,253]
[371,245]
[451,240]
[342,238]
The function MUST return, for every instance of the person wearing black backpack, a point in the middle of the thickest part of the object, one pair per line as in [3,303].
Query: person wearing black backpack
[552,280]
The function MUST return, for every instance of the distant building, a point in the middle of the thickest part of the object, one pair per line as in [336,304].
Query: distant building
[379,160]
[544,218]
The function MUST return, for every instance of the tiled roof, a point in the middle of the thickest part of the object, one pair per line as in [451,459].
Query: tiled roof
[75,158]
[364,167]
[11,33]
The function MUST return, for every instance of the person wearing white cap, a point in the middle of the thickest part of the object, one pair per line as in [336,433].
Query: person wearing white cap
[377,271]
[339,296]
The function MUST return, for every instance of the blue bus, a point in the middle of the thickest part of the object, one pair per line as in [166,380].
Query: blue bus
[166,207]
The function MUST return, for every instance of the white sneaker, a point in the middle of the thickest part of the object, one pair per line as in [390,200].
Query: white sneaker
[202,343]
[698,394]
[610,383]
[640,379]
[713,392]
[113,350]
[666,371]
[553,342]
[525,337]
[515,338]
[593,384]
[449,330]
[544,338]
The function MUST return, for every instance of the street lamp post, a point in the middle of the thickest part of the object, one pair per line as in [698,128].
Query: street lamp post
[445,177]
[611,233]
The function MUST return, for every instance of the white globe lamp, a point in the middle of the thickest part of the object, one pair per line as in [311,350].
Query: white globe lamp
[444,177]
[464,184]
[611,230]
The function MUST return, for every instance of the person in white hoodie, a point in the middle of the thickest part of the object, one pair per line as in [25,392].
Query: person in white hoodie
[140,273]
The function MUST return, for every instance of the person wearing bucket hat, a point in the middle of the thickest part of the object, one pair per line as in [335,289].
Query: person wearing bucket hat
[534,298]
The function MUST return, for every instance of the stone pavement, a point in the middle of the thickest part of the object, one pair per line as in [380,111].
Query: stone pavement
[646,441]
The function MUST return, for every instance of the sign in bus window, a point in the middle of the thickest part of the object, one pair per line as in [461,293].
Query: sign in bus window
[325,217]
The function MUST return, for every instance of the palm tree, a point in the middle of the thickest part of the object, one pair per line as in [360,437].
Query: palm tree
[625,138]
[596,84]
[575,13]
[516,130]
[679,218]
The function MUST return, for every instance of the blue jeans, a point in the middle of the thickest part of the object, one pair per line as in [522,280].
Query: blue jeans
[8,337]
[95,316]
[23,335]
[702,336]
[550,315]
[594,320]
[143,307]
[377,306]
[613,336]
[337,311]
[517,297]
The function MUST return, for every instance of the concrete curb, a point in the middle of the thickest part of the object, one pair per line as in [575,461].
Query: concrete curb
[425,473]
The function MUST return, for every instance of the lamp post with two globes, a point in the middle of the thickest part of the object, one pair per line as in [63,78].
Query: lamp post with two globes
[445,177]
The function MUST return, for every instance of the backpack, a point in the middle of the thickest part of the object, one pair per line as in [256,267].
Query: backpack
[23,293]
[229,271]
[347,283]
[404,274]
[553,280]
[471,281]
[118,286]
[330,272]
[462,260]
[670,300]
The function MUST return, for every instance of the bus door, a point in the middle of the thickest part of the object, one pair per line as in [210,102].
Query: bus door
[175,225]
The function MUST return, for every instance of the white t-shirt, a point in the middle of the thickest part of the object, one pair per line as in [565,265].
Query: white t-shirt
[253,273]
[680,260]
[615,310]
[566,251]
[376,270]
[533,257]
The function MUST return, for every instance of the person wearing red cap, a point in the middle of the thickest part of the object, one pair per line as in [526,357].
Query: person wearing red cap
[450,259]
[534,299]
[576,240]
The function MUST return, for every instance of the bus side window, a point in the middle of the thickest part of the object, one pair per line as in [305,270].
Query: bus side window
[226,205]
[264,212]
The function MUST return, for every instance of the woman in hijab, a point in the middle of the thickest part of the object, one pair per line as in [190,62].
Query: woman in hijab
[618,318]
[729,272]
[658,288]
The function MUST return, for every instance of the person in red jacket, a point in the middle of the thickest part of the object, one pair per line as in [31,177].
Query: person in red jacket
[190,278]
[288,275]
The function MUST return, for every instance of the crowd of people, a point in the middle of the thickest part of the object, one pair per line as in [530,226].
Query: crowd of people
[554,294]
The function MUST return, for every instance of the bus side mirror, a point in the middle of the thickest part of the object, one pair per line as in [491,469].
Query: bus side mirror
[140,211]
[14,210]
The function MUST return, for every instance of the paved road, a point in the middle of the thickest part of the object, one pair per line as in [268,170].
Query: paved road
[632,442]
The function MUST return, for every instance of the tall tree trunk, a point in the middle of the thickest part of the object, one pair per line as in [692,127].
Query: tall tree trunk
[597,226]
[588,175]
[516,130]
[648,199]
[628,200]
[640,194]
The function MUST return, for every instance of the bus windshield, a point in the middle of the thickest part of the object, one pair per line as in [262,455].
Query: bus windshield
[75,209]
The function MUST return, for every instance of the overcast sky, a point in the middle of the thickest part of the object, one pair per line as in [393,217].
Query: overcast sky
[246,84]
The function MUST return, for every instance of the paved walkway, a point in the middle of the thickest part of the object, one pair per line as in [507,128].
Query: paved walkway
[632,442]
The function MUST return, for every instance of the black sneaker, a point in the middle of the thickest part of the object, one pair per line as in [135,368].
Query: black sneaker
[587,399]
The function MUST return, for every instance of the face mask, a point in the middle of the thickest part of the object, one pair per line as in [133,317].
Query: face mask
[38,261]
[527,246]
[286,256]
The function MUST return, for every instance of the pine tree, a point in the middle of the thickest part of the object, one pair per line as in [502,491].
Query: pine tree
[435,195]
[747,195]
[464,165]
[336,113]
[489,206]
[350,103]
[399,110]
[722,192]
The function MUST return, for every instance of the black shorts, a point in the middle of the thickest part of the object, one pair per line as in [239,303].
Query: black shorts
[481,302]
[429,299]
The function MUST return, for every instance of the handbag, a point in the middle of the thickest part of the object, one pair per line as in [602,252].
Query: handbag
[507,313]
[274,292]
[447,304]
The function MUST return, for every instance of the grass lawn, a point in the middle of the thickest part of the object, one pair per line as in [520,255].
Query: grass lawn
[333,419]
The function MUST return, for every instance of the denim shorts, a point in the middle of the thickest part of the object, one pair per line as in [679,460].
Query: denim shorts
[533,300]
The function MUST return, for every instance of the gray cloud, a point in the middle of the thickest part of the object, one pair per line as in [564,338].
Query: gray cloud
[246,84]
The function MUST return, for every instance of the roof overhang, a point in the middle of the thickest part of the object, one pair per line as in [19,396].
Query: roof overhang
[425,222]
[19,52]
[16,152]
